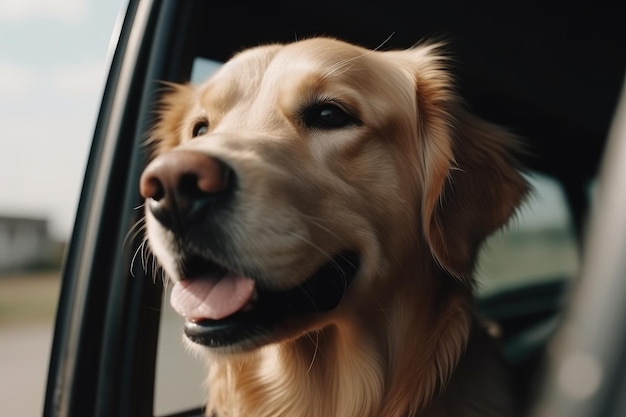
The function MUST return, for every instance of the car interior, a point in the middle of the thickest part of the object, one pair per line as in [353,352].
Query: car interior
[553,78]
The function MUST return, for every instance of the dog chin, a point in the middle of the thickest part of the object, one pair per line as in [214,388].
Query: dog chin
[244,348]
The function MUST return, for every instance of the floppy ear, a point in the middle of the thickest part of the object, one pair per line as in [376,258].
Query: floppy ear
[476,195]
[472,183]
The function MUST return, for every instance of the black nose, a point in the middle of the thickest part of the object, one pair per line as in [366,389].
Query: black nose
[182,186]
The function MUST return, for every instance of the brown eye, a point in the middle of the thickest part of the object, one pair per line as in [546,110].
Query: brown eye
[200,128]
[328,116]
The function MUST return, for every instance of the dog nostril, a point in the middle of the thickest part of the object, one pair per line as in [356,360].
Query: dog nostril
[183,185]
[190,186]
[154,189]
[201,192]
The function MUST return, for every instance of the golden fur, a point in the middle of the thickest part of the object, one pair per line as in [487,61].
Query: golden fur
[414,188]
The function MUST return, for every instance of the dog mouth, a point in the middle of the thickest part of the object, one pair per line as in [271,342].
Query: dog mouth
[224,308]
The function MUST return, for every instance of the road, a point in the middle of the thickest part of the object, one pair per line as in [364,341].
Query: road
[24,354]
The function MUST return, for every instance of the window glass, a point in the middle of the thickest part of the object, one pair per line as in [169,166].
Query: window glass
[180,376]
[202,69]
[539,244]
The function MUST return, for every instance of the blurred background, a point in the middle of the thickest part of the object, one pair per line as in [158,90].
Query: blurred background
[53,63]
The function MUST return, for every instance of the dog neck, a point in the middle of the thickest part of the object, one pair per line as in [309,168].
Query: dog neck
[358,366]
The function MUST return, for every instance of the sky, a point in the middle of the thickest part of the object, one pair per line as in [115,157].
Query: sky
[53,63]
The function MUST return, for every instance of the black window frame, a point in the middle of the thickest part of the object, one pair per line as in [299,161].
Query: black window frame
[104,348]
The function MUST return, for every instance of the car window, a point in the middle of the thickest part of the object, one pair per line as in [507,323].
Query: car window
[202,69]
[180,375]
[538,245]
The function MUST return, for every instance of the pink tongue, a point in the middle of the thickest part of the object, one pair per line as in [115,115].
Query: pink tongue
[200,298]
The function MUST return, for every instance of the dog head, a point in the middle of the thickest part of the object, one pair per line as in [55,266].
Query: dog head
[301,180]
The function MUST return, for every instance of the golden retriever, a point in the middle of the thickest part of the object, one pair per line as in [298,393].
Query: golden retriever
[318,208]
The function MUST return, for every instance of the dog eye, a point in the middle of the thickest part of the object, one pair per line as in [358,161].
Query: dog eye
[328,116]
[200,128]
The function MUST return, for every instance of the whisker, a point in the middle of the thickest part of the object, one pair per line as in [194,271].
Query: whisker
[134,230]
[144,255]
[332,261]
[313,245]
[349,261]
[164,278]
[317,344]
[132,261]
[154,269]
[317,223]
[320,250]
[343,65]
[385,41]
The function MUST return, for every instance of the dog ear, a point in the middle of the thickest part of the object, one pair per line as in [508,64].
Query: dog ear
[471,180]
[474,196]
[173,104]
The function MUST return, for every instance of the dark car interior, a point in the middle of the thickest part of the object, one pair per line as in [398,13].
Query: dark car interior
[553,77]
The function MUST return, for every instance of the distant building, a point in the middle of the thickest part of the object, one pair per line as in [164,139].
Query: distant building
[24,243]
